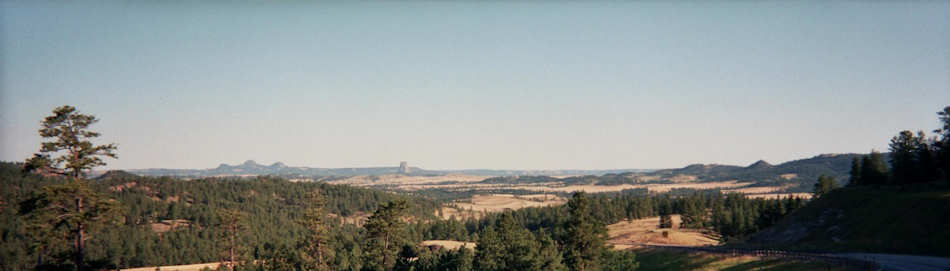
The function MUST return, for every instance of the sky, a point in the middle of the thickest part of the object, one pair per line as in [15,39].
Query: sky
[460,85]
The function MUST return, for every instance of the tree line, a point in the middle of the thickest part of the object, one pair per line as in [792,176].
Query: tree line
[913,158]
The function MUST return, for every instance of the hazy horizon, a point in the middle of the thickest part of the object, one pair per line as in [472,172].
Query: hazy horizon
[411,165]
[458,85]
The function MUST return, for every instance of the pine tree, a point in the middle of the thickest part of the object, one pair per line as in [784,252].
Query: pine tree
[489,251]
[584,244]
[315,244]
[855,172]
[942,144]
[74,206]
[507,245]
[549,257]
[873,169]
[904,157]
[666,220]
[233,227]
[824,185]
[385,235]
[693,215]
[926,158]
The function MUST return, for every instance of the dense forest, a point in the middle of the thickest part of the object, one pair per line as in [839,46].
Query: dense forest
[190,209]
[170,221]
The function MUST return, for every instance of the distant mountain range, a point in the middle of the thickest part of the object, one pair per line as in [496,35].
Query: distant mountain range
[802,170]
[835,165]
[252,168]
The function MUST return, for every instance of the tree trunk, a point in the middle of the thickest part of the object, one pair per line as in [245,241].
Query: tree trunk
[386,251]
[231,253]
[80,243]
[39,256]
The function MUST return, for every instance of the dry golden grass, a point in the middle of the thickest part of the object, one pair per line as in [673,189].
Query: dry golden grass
[459,182]
[767,192]
[779,195]
[683,178]
[756,190]
[652,187]
[449,244]
[646,178]
[168,225]
[358,218]
[187,267]
[404,180]
[788,176]
[481,204]
[629,233]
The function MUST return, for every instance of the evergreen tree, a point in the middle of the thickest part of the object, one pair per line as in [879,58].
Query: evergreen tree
[385,235]
[233,225]
[489,251]
[824,185]
[549,257]
[873,169]
[905,165]
[584,243]
[57,211]
[666,220]
[507,245]
[71,153]
[693,215]
[942,144]
[855,172]
[926,158]
[620,260]
[317,253]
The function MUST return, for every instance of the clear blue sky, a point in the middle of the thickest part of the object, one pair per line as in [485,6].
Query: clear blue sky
[531,85]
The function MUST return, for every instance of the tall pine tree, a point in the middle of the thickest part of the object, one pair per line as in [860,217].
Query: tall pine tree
[315,244]
[584,242]
[873,169]
[855,178]
[386,234]
[74,206]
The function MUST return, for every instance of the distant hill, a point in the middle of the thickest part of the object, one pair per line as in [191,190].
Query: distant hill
[116,175]
[794,176]
[252,168]
[803,170]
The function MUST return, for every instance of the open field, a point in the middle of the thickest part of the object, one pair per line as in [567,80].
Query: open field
[757,189]
[654,187]
[168,225]
[449,244]
[187,267]
[462,182]
[481,204]
[400,180]
[625,234]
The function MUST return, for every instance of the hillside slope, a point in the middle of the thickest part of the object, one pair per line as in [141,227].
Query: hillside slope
[908,220]
[799,171]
